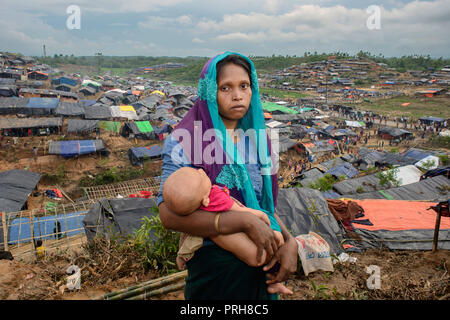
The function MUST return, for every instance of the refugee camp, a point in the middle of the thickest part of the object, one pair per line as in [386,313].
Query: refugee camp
[178,151]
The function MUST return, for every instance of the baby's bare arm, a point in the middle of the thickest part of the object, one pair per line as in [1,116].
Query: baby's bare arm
[258,213]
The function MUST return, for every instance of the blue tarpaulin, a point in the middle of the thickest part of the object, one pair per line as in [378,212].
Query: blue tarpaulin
[152,152]
[43,103]
[43,227]
[416,154]
[346,169]
[139,154]
[73,148]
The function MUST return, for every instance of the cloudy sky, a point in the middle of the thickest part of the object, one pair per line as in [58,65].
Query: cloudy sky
[206,27]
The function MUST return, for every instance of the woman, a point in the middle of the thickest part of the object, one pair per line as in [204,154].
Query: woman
[208,138]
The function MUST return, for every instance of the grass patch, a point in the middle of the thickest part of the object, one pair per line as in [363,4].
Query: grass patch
[439,142]
[281,93]
[418,107]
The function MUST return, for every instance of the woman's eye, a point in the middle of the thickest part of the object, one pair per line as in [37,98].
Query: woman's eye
[224,88]
[244,85]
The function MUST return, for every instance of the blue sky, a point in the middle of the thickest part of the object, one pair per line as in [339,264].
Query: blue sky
[206,27]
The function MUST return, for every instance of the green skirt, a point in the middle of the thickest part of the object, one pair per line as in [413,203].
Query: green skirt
[216,274]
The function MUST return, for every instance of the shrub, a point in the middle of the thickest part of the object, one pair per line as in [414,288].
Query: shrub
[389,177]
[159,250]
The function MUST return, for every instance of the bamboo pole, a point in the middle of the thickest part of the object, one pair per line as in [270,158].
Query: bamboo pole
[5,231]
[33,255]
[148,294]
[155,282]
[436,230]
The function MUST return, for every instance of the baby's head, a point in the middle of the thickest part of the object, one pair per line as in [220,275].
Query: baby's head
[186,189]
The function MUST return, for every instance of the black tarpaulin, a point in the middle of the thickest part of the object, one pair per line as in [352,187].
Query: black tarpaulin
[112,216]
[303,210]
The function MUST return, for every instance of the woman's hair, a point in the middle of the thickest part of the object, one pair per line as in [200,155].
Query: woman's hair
[237,60]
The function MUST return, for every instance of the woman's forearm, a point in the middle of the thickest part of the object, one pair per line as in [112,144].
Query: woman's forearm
[201,223]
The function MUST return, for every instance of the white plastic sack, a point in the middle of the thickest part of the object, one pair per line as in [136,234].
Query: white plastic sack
[314,253]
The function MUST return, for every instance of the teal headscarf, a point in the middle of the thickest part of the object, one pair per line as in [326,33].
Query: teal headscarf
[236,174]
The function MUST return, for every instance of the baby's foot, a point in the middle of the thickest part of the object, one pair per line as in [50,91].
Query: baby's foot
[278,288]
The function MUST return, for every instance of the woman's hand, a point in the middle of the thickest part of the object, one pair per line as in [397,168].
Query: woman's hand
[262,236]
[287,257]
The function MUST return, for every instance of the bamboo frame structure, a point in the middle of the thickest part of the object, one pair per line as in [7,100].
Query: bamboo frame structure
[124,188]
[25,246]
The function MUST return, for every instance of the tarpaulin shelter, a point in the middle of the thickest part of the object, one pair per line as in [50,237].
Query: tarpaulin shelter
[431,120]
[43,227]
[138,155]
[303,210]
[400,225]
[109,217]
[65,80]
[72,148]
[405,175]
[87,102]
[41,106]
[98,112]
[87,91]
[285,144]
[24,127]
[308,177]
[13,105]
[429,162]
[68,109]
[355,124]
[275,108]
[111,126]
[8,90]
[81,126]
[332,163]
[347,170]
[431,189]
[393,133]
[140,129]
[126,112]
[180,111]
[15,187]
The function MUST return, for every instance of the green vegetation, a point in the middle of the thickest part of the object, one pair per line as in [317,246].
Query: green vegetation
[281,93]
[389,177]
[418,107]
[444,159]
[56,177]
[439,142]
[159,251]
[326,182]
[112,175]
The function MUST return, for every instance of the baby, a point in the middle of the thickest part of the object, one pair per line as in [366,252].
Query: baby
[187,190]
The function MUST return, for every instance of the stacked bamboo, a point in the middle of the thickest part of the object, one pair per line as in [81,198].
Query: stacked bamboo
[148,289]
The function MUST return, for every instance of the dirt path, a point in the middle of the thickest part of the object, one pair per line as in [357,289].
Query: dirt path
[404,275]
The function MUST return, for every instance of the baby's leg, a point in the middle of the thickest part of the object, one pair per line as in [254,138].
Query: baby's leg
[241,246]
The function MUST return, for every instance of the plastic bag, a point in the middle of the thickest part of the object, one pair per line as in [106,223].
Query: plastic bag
[314,253]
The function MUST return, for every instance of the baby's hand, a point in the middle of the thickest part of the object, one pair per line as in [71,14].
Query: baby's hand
[261,215]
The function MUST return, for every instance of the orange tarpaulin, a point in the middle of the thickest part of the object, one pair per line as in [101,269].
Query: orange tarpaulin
[405,104]
[398,215]
[267,115]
